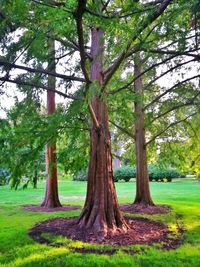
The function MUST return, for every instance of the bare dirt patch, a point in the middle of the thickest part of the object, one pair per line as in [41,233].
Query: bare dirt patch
[36,208]
[134,208]
[142,231]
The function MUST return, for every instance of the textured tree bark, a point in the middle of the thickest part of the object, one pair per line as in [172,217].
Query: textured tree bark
[143,195]
[51,199]
[101,212]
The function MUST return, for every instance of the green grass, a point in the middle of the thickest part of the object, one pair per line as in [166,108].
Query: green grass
[18,249]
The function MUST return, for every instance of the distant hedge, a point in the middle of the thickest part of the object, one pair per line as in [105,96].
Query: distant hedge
[155,173]
[80,176]
[124,173]
[127,172]
[159,174]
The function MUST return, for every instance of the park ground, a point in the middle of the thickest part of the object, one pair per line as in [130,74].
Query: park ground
[18,249]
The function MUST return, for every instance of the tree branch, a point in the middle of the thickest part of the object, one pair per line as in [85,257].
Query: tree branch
[20,82]
[22,52]
[116,15]
[73,45]
[164,73]
[176,41]
[142,26]
[142,73]
[53,4]
[170,90]
[41,71]
[189,103]
[169,126]
[168,52]
[94,118]
[174,52]
[124,130]
[79,17]
[120,15]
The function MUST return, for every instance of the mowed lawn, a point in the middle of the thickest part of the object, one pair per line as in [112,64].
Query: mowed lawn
[18,249]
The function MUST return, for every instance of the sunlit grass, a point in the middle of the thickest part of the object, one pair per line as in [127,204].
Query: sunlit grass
[18,249]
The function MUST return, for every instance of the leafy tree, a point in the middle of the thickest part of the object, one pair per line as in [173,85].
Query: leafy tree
[21,153]
[51,199]
[74,23]
[157,109]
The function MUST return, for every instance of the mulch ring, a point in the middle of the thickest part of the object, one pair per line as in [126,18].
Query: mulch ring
[142,231]
[134,208]
[36,208]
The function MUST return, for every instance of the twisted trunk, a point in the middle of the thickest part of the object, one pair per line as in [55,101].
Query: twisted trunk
[143,195]
[101,212]
[51,199]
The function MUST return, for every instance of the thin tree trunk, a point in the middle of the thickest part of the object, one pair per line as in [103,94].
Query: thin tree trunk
[101,212]
[35,178]
[143,195]
[51,199]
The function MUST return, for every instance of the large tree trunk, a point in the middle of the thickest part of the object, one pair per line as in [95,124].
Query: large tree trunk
[51,199]
[143,195]
[101,212]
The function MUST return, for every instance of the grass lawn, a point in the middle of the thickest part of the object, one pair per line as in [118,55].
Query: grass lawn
[18,249]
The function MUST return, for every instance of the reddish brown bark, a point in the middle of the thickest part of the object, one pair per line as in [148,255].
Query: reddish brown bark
[51,199]
[143,195]
[101,211]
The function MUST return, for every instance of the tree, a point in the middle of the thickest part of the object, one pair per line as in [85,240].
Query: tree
[101,210]
[162,105]
[182,151]
[51,199]
[143,196]
[100,213]
[21,152]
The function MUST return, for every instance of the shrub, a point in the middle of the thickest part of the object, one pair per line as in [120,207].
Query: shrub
[124,173]
[158,174]
[4,176]
[183,175]
[127,172]
[80,176]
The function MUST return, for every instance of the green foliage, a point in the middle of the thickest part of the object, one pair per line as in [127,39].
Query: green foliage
[73,141]
[80,176]
[124,173]
[159,174]
[22,142]
[26,139]
[156,173]
[4,176]
[181,153]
